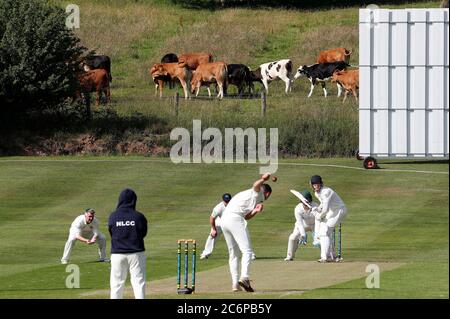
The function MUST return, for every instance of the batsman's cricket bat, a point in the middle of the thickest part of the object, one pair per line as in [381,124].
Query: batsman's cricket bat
[300,196]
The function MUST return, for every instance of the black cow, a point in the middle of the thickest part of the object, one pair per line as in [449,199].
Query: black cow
[98,62]
[321,72]
[254,76]
[239,75]
[169,58]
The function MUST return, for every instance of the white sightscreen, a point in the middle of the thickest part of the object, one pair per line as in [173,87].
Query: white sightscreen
[404,82]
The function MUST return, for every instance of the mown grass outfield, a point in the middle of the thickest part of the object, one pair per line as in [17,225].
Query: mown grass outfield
[397,215]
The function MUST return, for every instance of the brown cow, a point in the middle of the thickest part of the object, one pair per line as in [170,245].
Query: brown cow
[95,80]
[349,80]
[214,72]
[334,55]
[193,60]
[177,70]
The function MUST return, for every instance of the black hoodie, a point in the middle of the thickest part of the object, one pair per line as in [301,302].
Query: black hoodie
[127,226]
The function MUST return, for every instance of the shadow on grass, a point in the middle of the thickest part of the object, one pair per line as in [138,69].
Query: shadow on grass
[430,161]
[288,4]
[45,289]
[53,129]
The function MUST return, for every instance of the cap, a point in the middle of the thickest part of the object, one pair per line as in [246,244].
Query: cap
[226,197]
[307,195]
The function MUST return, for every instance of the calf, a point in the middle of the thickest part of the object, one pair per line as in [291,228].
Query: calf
[169,58]
[209,73]
[270,71]
[349,80]
[334,55]
[320,73]
[94,80]
[193,60]
[98,62]
[175,70]
[239,75]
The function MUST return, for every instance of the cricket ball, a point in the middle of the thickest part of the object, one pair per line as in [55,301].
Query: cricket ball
[274,178]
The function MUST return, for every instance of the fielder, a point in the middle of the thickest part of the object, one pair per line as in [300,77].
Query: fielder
[85,229]
[242,207]
[330,212]
[304,221]
[216,229]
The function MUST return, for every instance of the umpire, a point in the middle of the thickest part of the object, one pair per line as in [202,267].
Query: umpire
[128,228]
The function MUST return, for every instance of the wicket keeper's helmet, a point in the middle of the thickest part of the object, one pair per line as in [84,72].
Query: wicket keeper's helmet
[226,197]
[316,179]
[307,195]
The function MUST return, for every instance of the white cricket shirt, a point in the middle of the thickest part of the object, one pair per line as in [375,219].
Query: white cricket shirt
[244,202]
[79,226]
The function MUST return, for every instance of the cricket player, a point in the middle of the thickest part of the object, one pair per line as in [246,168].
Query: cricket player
[85,229]
[242,207]
[304,221]
[128,229]
[330,212]
[216,230]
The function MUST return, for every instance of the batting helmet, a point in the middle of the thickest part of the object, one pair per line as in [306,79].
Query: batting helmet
[316,179]
[226,197]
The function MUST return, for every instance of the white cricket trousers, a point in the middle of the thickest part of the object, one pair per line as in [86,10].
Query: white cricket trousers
[327,249]
[101,241]
[294,237]
[120,264]
[209,246]
[234,229]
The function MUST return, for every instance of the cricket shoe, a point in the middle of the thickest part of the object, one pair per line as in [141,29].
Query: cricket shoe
[245,283]
[104,260]
[325,260]
[64,262]
[253,256]
[288,259]
[204,256]
[237,288]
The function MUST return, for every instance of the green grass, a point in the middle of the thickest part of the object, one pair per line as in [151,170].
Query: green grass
[393,216]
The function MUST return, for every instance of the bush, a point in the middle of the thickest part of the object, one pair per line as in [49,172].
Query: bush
[38,57]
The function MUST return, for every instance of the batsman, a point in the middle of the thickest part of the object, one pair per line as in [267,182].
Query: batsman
[330,212]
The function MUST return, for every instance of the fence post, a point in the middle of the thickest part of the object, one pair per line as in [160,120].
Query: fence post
[263,104]
[177,103]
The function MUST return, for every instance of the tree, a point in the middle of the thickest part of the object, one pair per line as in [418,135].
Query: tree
[39,56]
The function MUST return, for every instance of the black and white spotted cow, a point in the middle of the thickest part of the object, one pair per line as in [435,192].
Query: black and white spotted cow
[320,73]
[270,71]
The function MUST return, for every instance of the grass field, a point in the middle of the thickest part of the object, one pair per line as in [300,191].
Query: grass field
[396,215]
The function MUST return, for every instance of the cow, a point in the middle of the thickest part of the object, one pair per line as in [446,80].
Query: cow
[169,58]
[334,55]
[94,80]
[193,60]
[270,71]
[98,62]
[207,73]
[239,75]
[349,80]
[175,70]
[320,73]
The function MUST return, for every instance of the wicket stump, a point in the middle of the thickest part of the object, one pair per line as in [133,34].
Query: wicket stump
[186,289]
